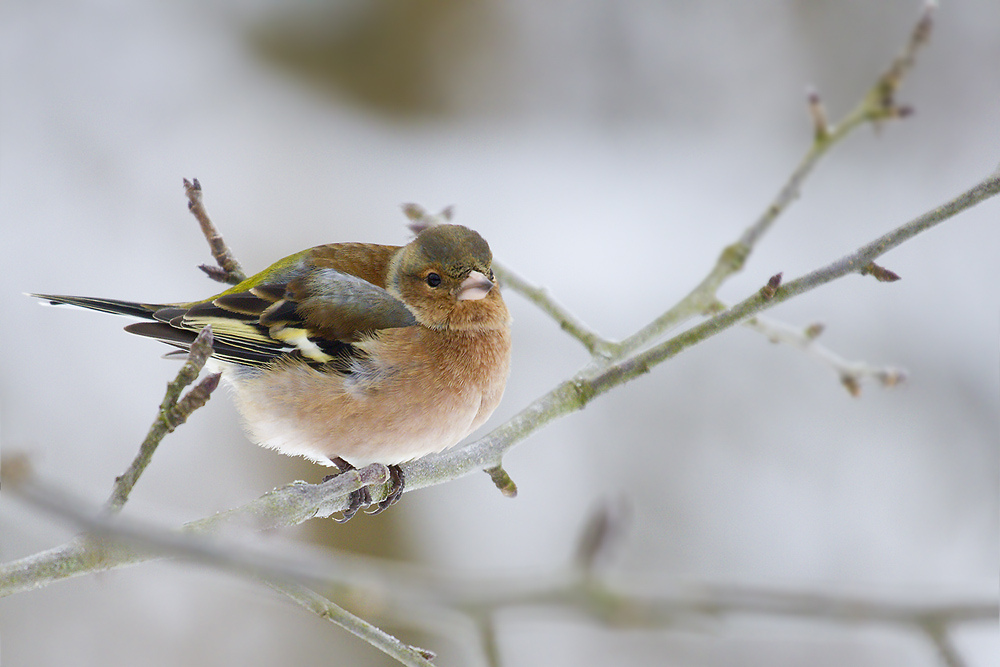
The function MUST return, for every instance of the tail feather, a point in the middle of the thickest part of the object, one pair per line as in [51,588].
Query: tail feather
[141,310]
[183,338]
[238,339]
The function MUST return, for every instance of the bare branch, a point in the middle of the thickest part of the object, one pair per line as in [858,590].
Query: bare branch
[173,412]
[595,344]
[286,506]
[121,536]
[852,374]
[299,502]
[937,632]
[853,263]
[878,105]
[572,395]
[618,601]
[881,102]
[324,608]
[602,534]
[421,219]
[229,269]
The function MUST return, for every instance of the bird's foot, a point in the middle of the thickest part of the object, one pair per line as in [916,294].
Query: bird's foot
[362,497]
[341,465]
[356,499]
[397,481]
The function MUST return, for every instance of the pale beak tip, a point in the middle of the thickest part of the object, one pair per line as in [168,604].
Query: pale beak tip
[475,287]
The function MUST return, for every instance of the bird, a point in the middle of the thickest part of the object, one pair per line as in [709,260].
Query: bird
[349,354]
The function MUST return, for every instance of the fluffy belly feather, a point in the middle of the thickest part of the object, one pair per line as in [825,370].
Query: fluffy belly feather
[388,414]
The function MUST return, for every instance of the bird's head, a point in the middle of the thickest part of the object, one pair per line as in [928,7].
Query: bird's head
[445,277]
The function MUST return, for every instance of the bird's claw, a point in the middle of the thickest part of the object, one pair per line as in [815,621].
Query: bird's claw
[355,501]
[363,497]
[397,481]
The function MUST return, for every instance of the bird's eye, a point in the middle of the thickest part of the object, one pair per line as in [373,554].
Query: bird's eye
[433,279]
[492,279]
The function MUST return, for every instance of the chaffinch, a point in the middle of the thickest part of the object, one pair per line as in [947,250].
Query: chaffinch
[352,353]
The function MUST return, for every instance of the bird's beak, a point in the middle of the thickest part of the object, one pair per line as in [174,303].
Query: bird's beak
[475,287]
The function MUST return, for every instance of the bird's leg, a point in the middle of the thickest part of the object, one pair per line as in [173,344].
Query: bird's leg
[341,465]
[357,499]
[397,480]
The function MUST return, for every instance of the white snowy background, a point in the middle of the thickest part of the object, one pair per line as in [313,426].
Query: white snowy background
[608,151]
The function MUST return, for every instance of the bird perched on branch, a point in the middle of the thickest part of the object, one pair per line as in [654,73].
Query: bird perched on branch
[351,353]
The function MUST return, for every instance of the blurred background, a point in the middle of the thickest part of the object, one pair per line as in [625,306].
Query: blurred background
[607,151]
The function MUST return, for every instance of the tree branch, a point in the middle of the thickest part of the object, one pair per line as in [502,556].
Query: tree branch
[856,262]
[851,373]
[589,383]
[298,502]
[324,608]
[173,412]
[878,105]
[283,507]
[623,601]
[595,344]
[228,269]
[421,219]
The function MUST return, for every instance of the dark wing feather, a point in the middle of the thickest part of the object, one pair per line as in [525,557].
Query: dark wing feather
[182,338]
[316,316]
[244,303]
[113,306]
[314,306]
[341,306]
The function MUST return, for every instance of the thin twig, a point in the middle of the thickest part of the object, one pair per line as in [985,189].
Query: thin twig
[228,269]
[173,412]
[287,506]
[877,106]
[402,583]
[486,625]
[117,535]
[602,535]
[852,374]
[937,632]
[595,344]
[575,393]
[421,219]
[618,601]
[324,608]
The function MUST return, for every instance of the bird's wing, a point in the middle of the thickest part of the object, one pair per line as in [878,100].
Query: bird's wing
[316,314]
